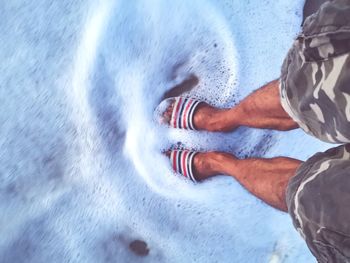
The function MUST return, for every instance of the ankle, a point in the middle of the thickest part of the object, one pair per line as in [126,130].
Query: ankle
[216,120]
[224,120]
[225,162]
[217,161]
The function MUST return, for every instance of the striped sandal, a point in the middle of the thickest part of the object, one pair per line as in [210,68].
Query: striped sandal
[182,113]
[182,162]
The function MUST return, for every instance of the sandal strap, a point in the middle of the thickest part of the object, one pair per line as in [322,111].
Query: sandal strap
[182,162]
[183,112]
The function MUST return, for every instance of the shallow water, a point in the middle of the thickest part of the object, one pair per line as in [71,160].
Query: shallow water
[82,178]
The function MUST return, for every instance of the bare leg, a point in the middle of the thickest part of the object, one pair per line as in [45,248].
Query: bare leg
[261,109]
[267,179]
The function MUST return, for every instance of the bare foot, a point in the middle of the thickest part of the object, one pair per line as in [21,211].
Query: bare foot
[206,117]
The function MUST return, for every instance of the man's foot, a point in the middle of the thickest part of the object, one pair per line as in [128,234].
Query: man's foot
[206,117]
[203,164]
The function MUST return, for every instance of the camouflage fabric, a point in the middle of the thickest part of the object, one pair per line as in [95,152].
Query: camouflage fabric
[315,92]
[318,200]
[315,79]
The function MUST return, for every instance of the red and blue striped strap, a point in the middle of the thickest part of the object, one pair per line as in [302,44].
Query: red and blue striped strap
[183,112]
[182,162]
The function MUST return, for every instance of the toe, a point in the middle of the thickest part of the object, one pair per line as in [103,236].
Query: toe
[167,114]
[167,153]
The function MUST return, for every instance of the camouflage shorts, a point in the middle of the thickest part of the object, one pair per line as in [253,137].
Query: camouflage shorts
[318,199]
[315,91]
[315,79]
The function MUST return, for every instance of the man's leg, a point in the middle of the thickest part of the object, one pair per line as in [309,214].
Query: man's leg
[267,179]
[261,109]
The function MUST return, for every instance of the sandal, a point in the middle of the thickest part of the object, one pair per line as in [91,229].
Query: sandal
[182,162]
[182,113]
